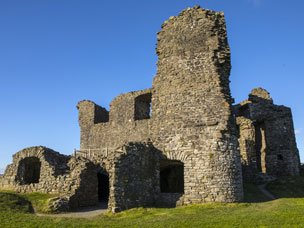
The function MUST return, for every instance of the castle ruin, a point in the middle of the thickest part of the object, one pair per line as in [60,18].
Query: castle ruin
[180,142]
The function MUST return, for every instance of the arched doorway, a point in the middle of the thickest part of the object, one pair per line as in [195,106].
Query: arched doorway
[103,187]
[29,170]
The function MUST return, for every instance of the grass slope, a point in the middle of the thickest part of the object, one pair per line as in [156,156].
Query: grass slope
[285,212]
[287,187]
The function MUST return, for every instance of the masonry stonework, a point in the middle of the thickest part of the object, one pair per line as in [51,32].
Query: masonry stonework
[266,138]
[72,177]
[177,143]
[191,117]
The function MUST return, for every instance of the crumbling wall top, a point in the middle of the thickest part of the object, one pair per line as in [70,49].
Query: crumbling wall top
[259,95]
[91,113]
[185,39]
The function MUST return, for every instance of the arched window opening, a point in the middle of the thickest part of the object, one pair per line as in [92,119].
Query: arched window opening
[103,187]
[29,170]
[171,176]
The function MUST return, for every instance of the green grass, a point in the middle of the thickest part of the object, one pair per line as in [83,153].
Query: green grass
[278,213]
[252,194]
[287,187]
[37,201]
[10,202]
[15,211]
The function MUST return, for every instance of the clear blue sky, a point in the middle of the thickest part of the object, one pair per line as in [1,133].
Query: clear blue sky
[54,53]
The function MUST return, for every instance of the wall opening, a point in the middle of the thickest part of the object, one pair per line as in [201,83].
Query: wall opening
[260,145]
[171,176]
[101,115]
[280,157]
[103,187]
[29,170]
[143,106]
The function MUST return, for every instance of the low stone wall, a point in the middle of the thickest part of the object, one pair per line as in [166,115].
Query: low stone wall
[58,174]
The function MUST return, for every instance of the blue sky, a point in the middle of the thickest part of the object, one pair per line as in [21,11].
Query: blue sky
[54,53]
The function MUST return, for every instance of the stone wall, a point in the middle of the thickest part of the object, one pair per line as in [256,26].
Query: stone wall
[58,174]
[191,119]
[122,125]
[267,138]
[135,176]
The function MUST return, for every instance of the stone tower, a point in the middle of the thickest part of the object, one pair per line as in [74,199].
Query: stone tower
[191,118]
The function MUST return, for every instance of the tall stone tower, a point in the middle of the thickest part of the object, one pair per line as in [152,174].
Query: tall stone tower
[191,106]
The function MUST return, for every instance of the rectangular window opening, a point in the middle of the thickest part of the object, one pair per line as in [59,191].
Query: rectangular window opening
[143,106]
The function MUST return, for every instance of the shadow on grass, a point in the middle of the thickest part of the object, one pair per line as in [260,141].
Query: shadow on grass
[283,187]
[287,187]
[14,202]
[252,194]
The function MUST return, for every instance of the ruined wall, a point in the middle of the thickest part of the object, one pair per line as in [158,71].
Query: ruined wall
[247,147]
[270,146]
[104,144]
[68,176]
[122,125]
[191,118]
[135,176]
[185,149]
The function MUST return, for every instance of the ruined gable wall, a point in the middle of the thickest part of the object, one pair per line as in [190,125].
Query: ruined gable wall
[275,150]
[191,117]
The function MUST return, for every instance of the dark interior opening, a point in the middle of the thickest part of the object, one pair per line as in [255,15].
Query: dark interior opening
[280,157]
[260,146]
[103,187]
[143,106]
[101,115]
[238,130]
[171,176]
[29,170]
